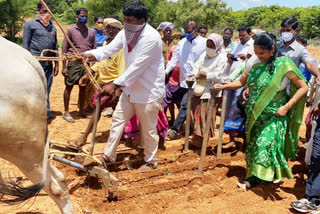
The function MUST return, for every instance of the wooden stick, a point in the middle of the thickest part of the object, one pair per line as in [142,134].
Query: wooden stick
[207,130]
[96,118]
[186,142]
[86,67]
[222,118]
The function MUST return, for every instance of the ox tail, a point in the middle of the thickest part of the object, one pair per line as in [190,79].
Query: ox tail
[18,193]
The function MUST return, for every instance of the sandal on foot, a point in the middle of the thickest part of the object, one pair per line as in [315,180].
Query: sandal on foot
[69,119]
[244,186]
[104,160]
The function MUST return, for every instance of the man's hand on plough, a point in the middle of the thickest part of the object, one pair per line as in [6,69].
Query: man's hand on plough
[86,58]
[108,90]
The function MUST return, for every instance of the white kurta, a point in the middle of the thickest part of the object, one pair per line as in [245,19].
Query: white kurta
[215,69]
[144,79]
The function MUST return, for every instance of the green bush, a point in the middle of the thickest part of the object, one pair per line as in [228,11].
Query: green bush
[214,14]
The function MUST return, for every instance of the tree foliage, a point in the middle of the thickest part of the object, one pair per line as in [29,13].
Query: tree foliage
[213,13]
[270,18]
[13,15]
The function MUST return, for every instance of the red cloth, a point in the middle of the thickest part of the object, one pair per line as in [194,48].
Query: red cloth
[174,78]
[132,128]
[105,101]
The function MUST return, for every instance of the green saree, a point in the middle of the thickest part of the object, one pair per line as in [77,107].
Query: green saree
[271,139]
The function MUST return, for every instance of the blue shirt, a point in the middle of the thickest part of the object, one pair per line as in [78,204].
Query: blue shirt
[100,37]
[305,71]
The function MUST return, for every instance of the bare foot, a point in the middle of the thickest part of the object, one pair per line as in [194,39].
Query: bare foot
[229,145]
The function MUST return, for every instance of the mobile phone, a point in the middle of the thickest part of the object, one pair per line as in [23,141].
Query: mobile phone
[233,58]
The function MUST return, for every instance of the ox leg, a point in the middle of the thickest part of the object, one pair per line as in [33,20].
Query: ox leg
[55,187]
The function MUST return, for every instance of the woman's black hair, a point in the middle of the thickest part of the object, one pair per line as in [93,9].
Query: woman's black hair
[135,8]
[266,41]
[97,18]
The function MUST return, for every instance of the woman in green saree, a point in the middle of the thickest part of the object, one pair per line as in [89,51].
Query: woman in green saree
[273,116]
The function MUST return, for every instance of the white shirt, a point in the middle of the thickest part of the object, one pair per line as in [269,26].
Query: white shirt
[215,69]
[240,49]
[187,54]
[144,78]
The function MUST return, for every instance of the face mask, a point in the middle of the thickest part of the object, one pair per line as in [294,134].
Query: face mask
[83,20]
[132,31]
[99,26]
[189,36]
[281,39]
[211,52]
[44,18]
[226,39]
[287,36]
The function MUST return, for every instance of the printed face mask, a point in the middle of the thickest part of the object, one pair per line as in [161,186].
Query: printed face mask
[44,19]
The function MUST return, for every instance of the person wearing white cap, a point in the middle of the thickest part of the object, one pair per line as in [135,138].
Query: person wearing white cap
[167,39]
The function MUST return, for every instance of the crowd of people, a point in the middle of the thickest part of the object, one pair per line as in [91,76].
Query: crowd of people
[143,72]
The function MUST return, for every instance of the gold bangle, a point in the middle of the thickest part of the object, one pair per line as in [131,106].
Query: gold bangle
[245,74]
[295,77]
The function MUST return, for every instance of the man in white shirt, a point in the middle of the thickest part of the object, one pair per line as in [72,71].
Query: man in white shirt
[235,60]
[143,82]
[187,53]
[240,52]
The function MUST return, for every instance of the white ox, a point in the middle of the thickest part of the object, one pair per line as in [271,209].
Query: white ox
[23,128]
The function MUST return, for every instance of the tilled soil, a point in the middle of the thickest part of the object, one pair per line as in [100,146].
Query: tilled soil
[174,187]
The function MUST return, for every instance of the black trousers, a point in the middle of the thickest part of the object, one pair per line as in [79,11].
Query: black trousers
[312,192]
